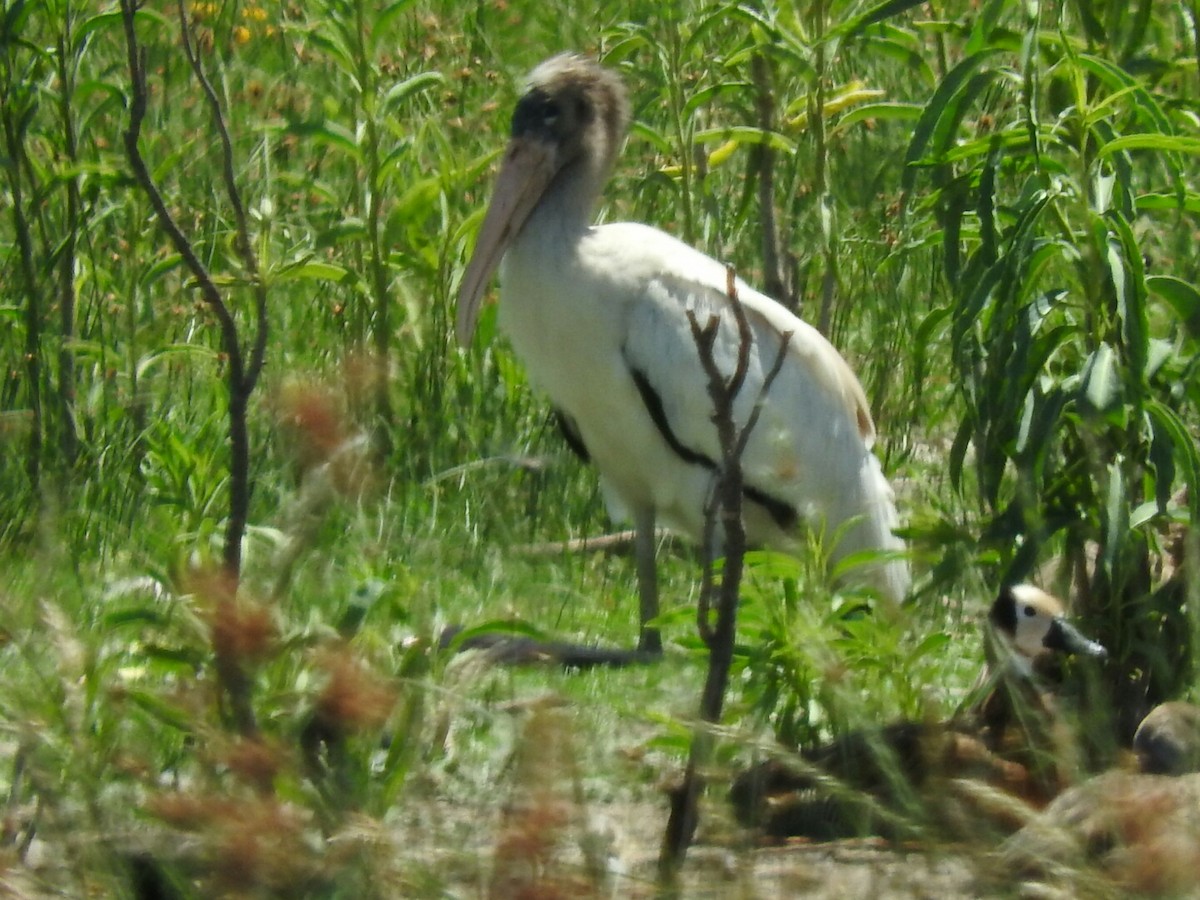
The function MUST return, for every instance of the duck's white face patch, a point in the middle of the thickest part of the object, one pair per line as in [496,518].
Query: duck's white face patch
[1036,614]
[1034,623]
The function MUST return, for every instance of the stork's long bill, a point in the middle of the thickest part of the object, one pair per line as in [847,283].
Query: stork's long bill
[528,168]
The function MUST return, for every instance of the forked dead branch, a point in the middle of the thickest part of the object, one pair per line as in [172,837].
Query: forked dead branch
[723,516]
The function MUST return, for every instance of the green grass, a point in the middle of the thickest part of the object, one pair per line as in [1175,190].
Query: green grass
[364,138]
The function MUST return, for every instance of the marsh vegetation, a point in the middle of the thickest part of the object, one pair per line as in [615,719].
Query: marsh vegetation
[247,477]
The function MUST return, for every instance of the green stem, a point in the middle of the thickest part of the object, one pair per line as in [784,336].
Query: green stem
[816,120]
[14,141]
[683,132]
[68,439]
[381,320]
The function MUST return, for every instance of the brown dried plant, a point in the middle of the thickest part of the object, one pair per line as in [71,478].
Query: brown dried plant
[533,858]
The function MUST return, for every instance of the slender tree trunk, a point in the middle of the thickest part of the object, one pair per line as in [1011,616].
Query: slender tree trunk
[764,158]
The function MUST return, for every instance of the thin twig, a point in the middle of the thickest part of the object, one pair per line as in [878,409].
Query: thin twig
[616,543]
[244,245]
[137,113]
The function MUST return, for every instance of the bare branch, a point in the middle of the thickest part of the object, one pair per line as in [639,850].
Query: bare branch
[137,113]
[724,507]
[768,379]
[722,391]
[244,245]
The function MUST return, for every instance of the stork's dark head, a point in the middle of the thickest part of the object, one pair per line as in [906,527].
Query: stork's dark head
[577,107]
[566,131]
[1034,623]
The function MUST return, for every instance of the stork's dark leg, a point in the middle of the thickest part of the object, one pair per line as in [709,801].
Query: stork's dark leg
[644,545]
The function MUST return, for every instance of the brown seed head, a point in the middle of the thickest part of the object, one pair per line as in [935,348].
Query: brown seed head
[354,697]
[255,761]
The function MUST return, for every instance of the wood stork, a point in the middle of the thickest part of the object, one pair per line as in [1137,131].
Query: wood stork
[598,315]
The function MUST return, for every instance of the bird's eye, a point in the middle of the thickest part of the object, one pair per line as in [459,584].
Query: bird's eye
[1030,611]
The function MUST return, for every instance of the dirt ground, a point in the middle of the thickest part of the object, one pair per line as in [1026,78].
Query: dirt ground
[844,869]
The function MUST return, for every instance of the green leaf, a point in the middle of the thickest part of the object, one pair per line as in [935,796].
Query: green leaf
[312,270]
[1116,517]
[13,21]
[1040,423]
[1188,202]
[332,42]
[1166,143]
[1091,24]
[96,96]
[886,41]
[745,134]
[743,18]
[99,22]
[1128,273]
[173,351]
[1122,83]
[1101,380]
[1176,432]
[944,111]
[929,645]
[1162,464]
[401,92]
[160,268]
[1010,138]
[958,452]
[134,615]
[164,712]
[1161,352]
[386,16]
[350,228]
[1143,514]
[885,111]
[733,90]
[173,658]
[986,17]
[495,629]
[656,140]
[330,134]
[1182,297]
[878,13]
[985,204]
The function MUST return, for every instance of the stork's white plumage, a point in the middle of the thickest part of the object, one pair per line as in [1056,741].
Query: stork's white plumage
[598,314]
